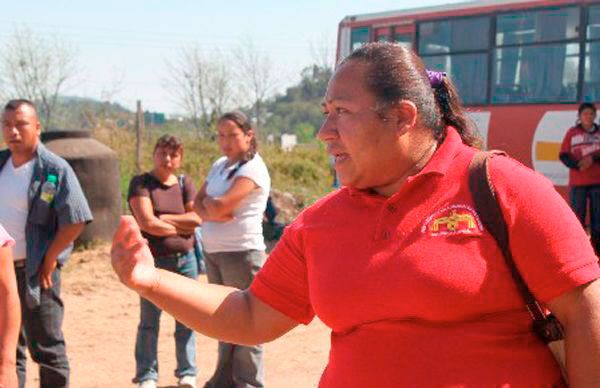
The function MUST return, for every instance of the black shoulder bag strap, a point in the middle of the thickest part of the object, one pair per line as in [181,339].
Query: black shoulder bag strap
[181,180]
[547,327]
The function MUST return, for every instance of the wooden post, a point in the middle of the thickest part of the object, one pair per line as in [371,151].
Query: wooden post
[139,129]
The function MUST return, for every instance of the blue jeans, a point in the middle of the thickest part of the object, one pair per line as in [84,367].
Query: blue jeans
[580,196]
[147,335]
[41,332]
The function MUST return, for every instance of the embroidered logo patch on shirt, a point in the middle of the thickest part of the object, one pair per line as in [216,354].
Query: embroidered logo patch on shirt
[454,219]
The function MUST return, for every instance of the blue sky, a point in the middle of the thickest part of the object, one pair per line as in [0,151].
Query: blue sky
[131,40]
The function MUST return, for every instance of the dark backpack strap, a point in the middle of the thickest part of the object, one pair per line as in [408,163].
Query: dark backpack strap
[489,212]
[181,180]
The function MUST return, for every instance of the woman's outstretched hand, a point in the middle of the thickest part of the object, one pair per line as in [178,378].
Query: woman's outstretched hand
[132,260]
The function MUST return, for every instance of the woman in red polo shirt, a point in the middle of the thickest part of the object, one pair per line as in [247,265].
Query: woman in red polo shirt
[10,313]
[580,152]
[411,298]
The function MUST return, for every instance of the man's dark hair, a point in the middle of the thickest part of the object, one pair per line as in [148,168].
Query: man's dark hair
[15,104]
[586,105]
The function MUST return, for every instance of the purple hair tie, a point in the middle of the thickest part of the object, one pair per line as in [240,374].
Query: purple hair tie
[436,78]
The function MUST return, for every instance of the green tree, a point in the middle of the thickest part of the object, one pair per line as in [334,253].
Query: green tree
[305,132]
[301,103]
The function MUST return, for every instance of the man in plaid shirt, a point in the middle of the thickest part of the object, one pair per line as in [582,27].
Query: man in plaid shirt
[44,210]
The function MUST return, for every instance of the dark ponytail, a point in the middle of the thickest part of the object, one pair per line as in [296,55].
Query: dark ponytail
[453,114]
[241,121]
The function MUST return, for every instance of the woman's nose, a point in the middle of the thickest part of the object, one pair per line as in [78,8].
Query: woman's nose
[327,131]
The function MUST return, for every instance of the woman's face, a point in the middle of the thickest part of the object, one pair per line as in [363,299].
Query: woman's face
[587,117]
[233,142]
[368,152]
[167,160]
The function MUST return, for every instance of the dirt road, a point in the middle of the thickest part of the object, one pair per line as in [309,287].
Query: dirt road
[100,325]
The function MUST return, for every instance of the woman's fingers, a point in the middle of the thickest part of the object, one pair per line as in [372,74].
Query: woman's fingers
[131,258]
[124,226]
[128,233]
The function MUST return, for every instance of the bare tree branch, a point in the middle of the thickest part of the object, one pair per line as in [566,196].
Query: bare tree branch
[256,75]
[115,86]
[36,68]
[323,52]
[202,87]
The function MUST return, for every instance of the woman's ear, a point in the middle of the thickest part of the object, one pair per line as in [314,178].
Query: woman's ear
[403,116]
[250,133]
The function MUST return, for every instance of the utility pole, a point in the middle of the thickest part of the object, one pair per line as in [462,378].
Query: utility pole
[139,129]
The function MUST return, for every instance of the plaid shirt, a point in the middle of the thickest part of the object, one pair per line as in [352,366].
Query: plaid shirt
[69,206]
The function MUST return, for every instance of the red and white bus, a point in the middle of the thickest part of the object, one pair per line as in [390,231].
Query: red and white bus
[522,66]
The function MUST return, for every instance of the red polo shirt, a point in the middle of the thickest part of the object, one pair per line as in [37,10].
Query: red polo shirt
[415,291]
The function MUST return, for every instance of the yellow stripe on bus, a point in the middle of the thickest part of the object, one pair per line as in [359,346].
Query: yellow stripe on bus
[547,151]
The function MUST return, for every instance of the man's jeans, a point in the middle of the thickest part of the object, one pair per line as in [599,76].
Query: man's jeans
[579,203]
[41,332]
[147,335]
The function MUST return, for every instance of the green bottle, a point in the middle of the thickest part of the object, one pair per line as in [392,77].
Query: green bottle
[49,189]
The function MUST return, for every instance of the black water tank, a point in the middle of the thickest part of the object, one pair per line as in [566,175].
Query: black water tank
[97,168]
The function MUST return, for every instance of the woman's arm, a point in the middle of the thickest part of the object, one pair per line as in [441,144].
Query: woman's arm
[217,311]
[226,204]
[10,320]
[579,313]
[569,160]
[200,208]
[185,222]
[148,222]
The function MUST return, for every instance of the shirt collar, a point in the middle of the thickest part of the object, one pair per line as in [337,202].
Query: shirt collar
[592,130]
[441,160]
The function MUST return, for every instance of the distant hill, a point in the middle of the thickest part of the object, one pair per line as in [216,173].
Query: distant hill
[84,113]
[87,101]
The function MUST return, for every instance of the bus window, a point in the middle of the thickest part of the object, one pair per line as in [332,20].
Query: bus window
[358,37]
[537,26]
[403,38]
[593,30]
[591,85]
[464,34]
[528,71]
[460,48]
[468,72]
[541,73]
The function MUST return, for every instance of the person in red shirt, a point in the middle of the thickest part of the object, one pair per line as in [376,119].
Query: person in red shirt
[580,152]
[411,298]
